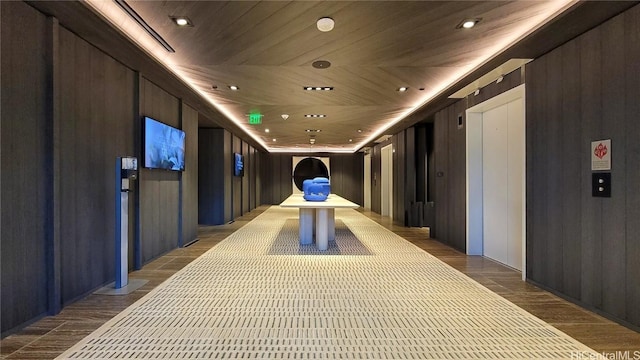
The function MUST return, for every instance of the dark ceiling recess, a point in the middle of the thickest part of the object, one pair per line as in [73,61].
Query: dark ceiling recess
[309,168]
[321,64]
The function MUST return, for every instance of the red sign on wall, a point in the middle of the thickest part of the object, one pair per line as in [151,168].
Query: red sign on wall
[601,155]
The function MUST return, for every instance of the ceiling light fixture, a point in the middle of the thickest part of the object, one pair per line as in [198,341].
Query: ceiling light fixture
[468,23]
[318,88]
[477,92]
[234,87]
[274,140]
[284,116]
[266,130]
[181,21]
[315,115]
[325,24]
[313,130]
[403,88]
[359,130]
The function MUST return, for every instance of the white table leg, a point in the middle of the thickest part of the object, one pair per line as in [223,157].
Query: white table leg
[332,224]
[306,221]
[322,227]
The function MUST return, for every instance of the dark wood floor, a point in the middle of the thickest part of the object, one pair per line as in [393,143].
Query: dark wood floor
[52,335]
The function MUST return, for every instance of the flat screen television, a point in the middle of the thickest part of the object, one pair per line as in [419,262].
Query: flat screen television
[238,164]
[163,146]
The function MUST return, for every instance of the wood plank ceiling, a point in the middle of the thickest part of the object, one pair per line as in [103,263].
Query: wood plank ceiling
[267,48]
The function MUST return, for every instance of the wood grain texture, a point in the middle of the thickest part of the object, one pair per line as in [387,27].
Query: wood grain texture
[553,158]
[376,47]
[51,336]
[535,132]
[159,189]
[211,177]
[458,170]
[578,245]
[450,178]
[591,211]
[189,186]
[632,131]
[246,190]
[24,181]
[236,182]
[98,126]
[614,218]
[442,183]
[572,164]
[376,168]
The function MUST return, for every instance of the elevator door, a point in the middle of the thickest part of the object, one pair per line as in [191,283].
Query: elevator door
[503,175]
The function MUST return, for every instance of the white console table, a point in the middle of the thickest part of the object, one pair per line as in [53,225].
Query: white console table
[318,214]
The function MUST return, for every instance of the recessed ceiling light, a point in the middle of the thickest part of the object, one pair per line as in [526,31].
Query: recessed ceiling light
[325,24]
[403,88]
[234,87]
[181,20]
[359,130]
[284,116]
[318,88]
[274,140]
[468,23]
[350,140]
[266,130]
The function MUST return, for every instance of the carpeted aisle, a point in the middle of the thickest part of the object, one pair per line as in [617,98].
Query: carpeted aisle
[372,295]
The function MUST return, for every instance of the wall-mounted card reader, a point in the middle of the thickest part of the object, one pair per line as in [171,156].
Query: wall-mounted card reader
[601,184]
[128,173]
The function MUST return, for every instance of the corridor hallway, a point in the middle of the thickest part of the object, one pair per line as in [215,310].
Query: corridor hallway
[372,295]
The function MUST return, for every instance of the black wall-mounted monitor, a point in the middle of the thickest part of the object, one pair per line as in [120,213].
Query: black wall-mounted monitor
[164,146]
[238,164]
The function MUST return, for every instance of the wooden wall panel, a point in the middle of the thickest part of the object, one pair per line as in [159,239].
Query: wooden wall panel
[98,125]
[535,173]
[579,245]
[223,196]
[246,190]
[591,209]
[347,176]
[614,209]
[441,149]
[276,169]
[399,167]
[458,171]
[159,189]
[211,195]
[571,185]
[376,168]
[421,163]
[286,177]
[257,165]
[449,149]
[553,163]
[227,171]
[632,130]
[236,182]
[189,182]
[25,176]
